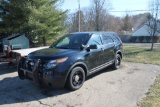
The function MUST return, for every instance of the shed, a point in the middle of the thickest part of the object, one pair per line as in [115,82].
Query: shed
[16,42]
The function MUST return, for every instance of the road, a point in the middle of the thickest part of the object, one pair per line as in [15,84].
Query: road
[107,88]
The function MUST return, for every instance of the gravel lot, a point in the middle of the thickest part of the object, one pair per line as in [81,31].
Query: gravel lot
[107,88]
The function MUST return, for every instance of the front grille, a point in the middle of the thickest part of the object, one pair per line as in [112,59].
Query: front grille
[29,64]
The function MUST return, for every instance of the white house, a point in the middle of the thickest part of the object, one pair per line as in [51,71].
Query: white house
[142,34]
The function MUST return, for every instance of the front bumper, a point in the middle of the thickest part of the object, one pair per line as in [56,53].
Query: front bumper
[40,77]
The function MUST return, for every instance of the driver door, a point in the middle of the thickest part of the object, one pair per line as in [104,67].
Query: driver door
[94,54]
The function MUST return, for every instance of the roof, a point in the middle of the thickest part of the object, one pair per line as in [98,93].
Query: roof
[11,37]
[144,23]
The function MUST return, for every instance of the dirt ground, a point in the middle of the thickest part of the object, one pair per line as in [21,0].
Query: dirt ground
[107,88]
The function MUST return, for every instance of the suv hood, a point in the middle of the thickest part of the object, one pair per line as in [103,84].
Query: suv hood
[52,53]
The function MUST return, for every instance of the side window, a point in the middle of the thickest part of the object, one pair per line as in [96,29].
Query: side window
[95,40]
[107,39]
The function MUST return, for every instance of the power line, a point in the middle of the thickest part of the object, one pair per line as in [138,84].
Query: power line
[133,11]
[126,11]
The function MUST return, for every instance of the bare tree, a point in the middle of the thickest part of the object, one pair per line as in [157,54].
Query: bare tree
[93,18]
[139,20]
[115,24]
[72,22]
[153,22]
[127,23]
[100,8]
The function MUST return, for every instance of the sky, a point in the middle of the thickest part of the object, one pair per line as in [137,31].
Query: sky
[117,5]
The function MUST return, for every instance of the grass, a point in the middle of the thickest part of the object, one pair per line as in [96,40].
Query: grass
[144,55]
[153,96]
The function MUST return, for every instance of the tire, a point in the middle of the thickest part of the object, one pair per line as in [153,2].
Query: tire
[20,72]
[76,78]
[117,62]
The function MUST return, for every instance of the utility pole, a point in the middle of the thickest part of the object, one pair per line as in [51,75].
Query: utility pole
[79,20]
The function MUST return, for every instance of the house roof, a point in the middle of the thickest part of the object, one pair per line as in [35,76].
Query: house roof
[139,27]
[11,37]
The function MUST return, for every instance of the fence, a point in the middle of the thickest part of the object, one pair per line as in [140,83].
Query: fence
[138,39]
[144,39]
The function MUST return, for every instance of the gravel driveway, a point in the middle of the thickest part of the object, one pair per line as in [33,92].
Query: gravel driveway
[107,88]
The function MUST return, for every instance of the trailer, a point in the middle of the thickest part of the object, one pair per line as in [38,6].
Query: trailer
[13,56]
[5,57]
[11,48]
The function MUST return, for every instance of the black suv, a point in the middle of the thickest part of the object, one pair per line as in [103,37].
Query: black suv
[70,59]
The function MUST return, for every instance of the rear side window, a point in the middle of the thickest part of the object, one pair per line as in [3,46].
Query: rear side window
[115,38]
[107,39]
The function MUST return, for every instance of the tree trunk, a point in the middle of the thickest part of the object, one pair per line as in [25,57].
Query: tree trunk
[152,38]
[44,41]
[97,19]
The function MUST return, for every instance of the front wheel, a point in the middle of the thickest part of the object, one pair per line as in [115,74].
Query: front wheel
[20,72]
[76,78]
[117,62]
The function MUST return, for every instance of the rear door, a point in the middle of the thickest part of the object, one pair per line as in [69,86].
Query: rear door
[108,48]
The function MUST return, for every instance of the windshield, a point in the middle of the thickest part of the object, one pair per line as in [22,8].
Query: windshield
[71,41]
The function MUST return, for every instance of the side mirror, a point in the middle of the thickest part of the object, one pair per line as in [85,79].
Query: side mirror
[92,47]
[88,47]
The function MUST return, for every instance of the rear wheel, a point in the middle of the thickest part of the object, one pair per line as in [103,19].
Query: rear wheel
[76,78]
[117,62]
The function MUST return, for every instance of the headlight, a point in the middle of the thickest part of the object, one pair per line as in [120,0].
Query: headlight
[53,63]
